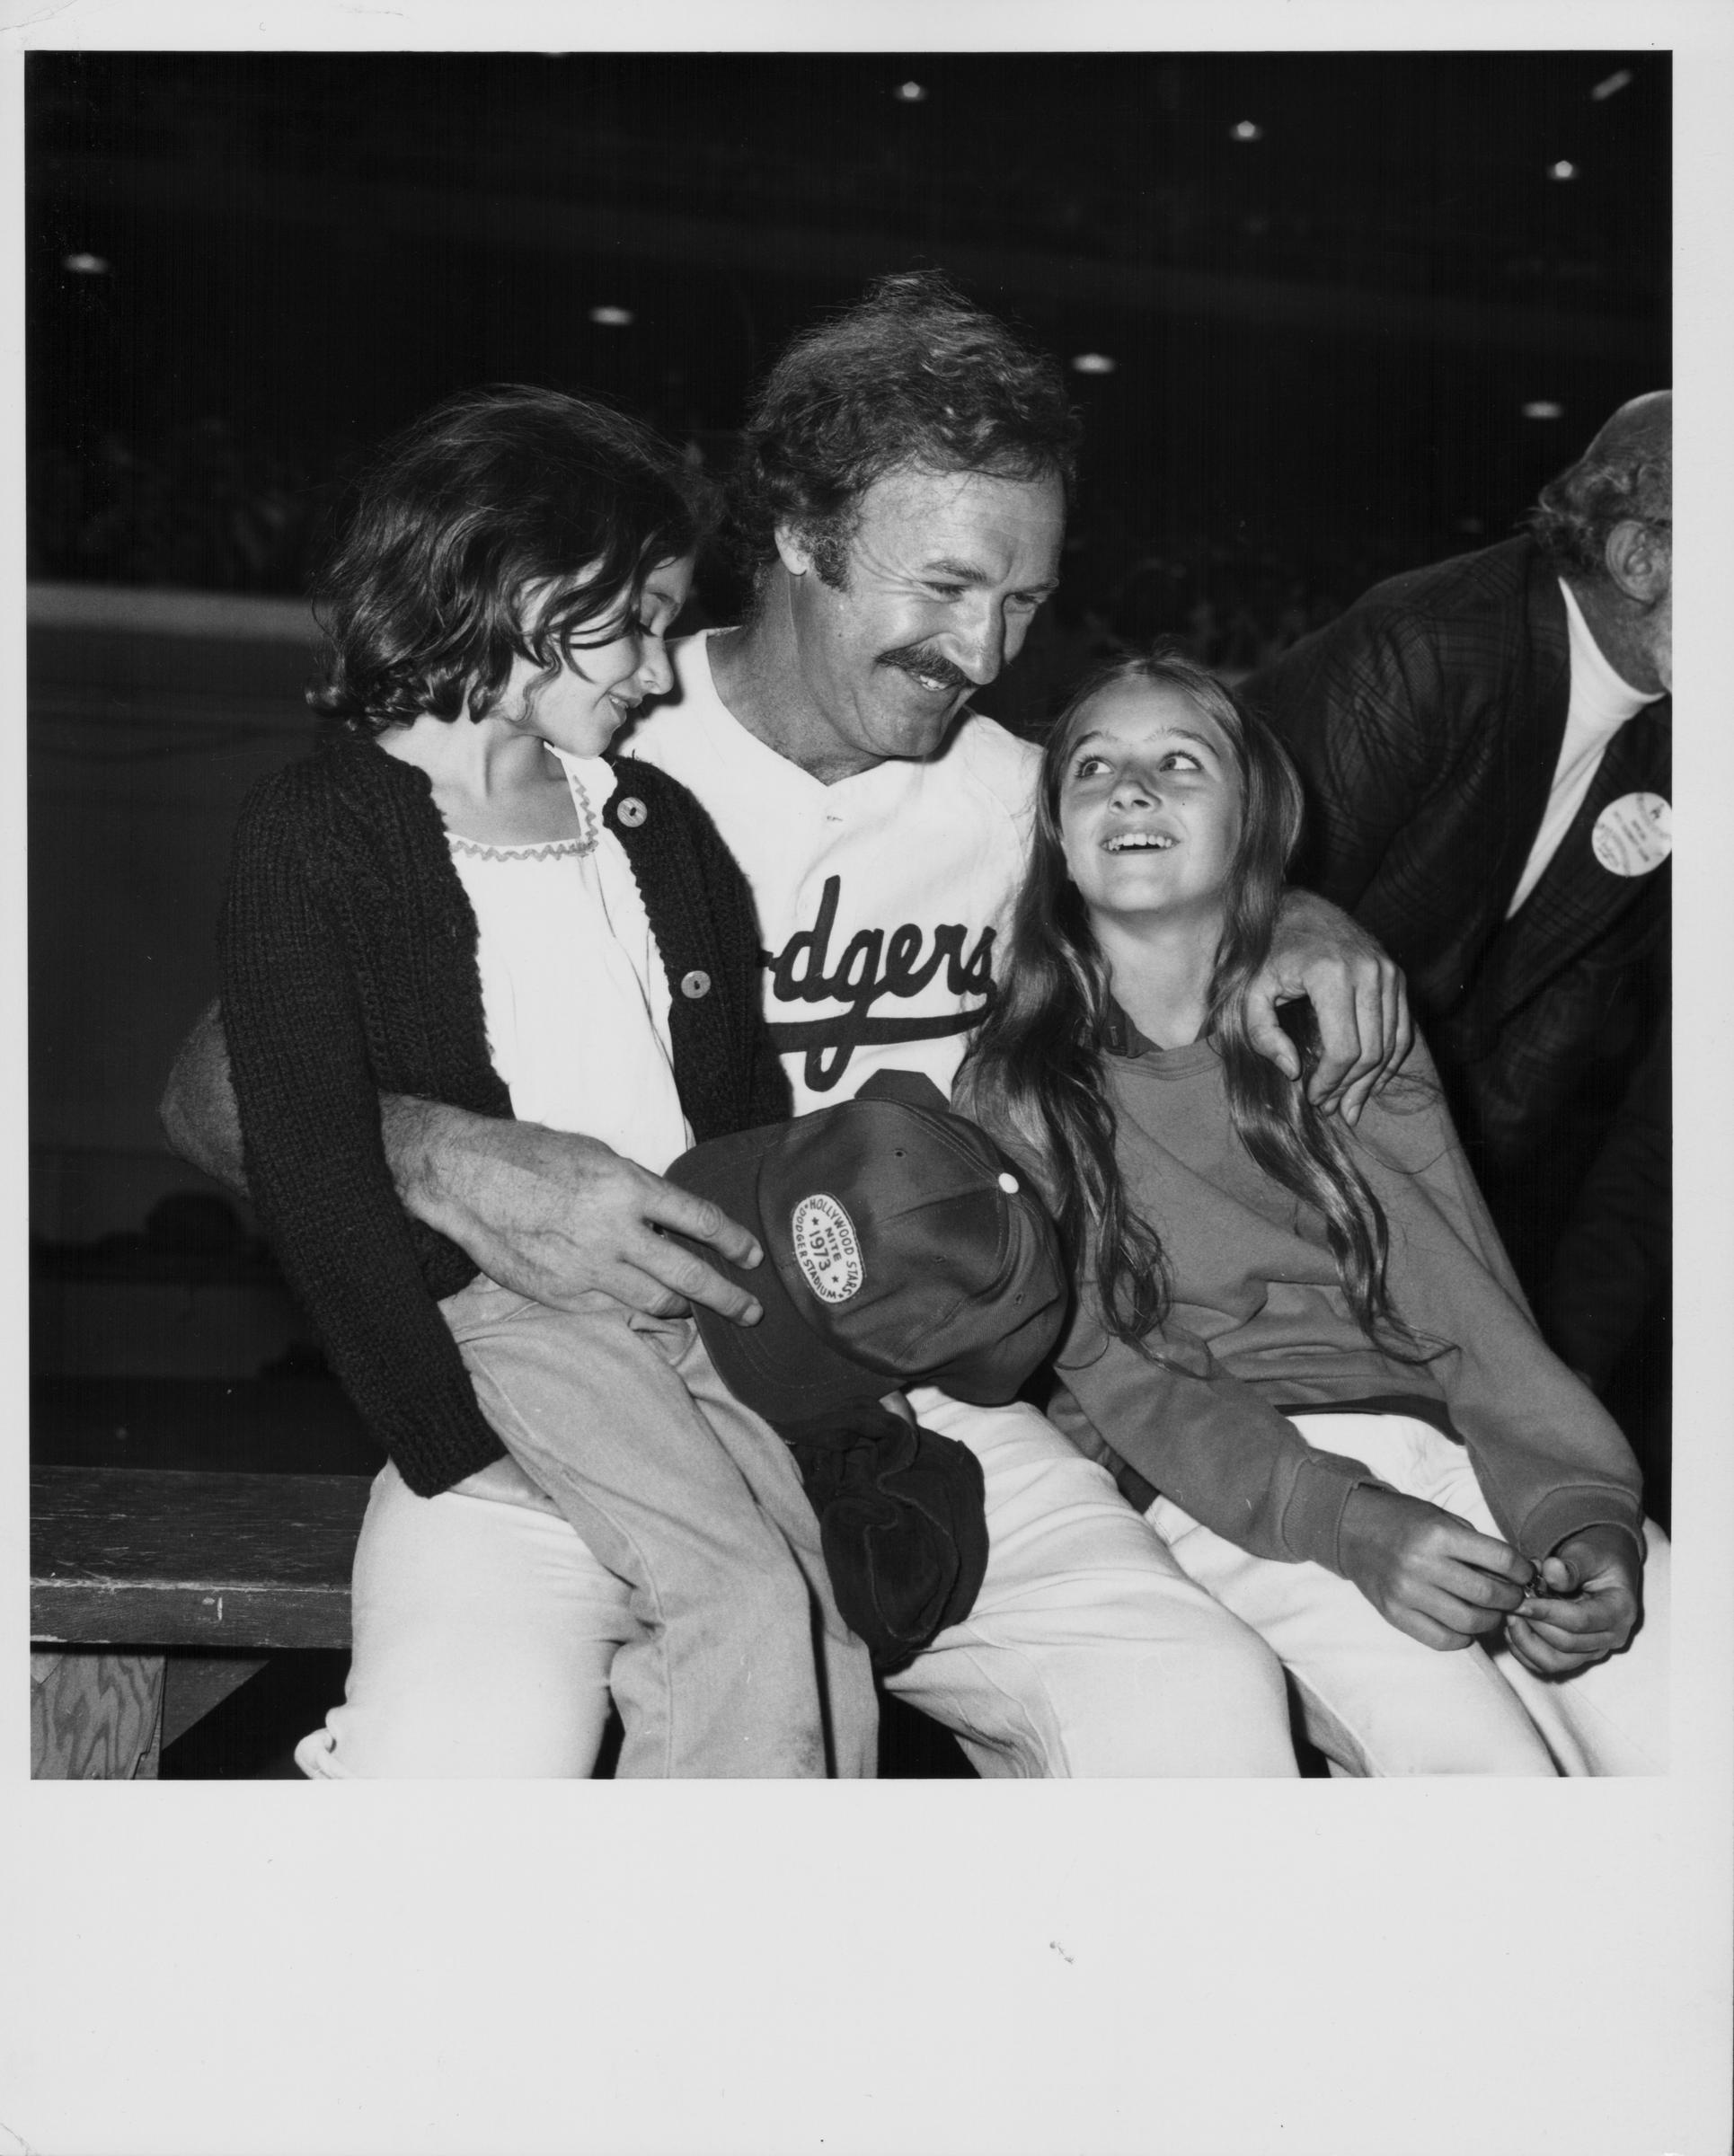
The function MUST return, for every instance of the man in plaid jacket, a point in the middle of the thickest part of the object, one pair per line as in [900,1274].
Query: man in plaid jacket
[1485,745]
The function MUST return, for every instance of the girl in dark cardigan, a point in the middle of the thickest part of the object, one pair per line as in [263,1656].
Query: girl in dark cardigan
[461,898]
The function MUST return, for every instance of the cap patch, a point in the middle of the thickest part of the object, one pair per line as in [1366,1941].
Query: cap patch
[826,1248]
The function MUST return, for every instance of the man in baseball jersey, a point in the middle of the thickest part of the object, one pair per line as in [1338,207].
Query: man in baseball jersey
[902,499]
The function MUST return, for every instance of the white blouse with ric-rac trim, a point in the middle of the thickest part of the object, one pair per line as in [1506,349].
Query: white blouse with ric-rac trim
[573,988]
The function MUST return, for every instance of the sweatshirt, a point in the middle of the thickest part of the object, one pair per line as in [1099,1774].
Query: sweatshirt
[1259,1328]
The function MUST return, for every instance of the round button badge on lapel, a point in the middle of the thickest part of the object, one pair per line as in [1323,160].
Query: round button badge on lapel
[694,983]
[1635,834]
[632,811]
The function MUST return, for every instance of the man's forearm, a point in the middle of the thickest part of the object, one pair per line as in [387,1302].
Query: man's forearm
[202,1121]
[553,1214]
[426,1150]
[198,1112]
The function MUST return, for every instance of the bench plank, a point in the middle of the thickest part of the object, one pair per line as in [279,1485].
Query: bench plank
[161,1558]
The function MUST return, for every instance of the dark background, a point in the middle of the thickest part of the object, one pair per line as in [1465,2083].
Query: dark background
[242,270]
[1323,336]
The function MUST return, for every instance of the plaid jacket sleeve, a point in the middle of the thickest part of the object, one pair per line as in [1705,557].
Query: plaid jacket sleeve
[1360,712]
[1426,723]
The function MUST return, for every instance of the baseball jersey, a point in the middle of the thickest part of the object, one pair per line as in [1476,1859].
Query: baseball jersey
[882,899]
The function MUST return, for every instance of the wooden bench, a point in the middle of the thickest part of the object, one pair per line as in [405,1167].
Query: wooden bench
[182,1530]
[175,1544]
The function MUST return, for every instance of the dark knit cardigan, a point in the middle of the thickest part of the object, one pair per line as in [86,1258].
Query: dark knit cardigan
[349,970]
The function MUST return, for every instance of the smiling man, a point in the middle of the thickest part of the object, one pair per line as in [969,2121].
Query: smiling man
[901,500]
[871,655]
[888,584]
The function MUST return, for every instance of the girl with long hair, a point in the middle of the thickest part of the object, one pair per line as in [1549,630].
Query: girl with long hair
[1300,1345]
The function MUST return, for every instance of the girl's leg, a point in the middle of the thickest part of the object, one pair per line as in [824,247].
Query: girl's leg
[1375,1702]
[483,1633]
[1609,1719]
[846,1696]
[1088,1652]
[718,1675]
[1378,1702]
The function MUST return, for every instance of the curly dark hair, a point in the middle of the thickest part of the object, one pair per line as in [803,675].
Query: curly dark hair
[912,377]
[1626,473]
[495,491]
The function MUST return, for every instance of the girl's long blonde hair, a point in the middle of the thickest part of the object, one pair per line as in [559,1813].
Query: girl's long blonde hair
[1035,1070]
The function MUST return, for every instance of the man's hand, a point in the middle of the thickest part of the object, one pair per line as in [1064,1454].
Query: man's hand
[1425,1570]
[1357,998]
[1584,1604]
[561,1218]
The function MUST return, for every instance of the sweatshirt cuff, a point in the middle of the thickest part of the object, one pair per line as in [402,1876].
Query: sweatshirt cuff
[1312,1519]
[1563,1513]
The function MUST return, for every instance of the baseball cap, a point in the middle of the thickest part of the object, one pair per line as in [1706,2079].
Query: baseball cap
[900,1248]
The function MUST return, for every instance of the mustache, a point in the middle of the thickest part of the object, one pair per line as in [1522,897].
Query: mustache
[916,659]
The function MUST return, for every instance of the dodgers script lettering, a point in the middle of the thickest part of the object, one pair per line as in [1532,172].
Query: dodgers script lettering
[872,965]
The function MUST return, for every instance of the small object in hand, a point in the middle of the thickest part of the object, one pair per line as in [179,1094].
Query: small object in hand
[1538,1586]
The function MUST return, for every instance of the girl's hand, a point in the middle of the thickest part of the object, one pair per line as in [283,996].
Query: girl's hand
[1584,1605]
[1427,1572]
